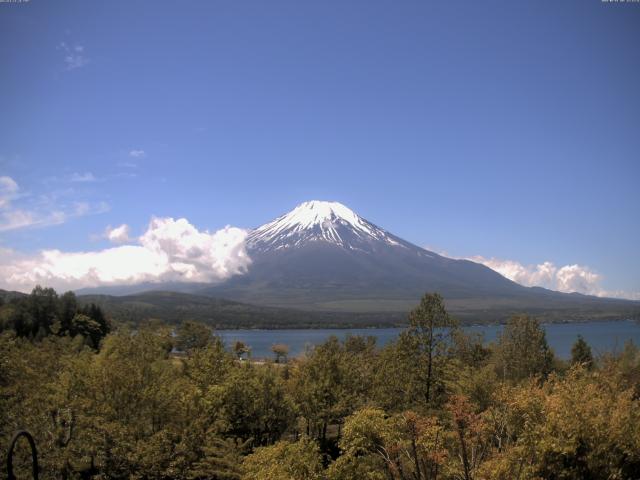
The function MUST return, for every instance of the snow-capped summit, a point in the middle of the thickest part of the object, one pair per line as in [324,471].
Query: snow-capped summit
[319,221]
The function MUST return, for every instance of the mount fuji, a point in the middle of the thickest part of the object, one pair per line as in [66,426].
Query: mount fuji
[323,256]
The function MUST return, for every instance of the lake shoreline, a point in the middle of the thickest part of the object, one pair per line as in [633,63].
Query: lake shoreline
[405,325]
[602,335]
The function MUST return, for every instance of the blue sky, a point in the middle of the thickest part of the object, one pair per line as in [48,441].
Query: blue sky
[507,130]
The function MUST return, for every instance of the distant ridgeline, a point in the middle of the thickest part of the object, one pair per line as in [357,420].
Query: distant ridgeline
[19,311]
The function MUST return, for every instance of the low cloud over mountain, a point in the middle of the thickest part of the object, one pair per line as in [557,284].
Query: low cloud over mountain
[169,251]
[567,278]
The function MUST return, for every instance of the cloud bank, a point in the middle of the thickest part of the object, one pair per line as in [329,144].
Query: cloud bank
[169,251]
[567,278]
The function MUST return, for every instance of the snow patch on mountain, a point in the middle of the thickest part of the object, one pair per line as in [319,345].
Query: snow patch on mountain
[319,221]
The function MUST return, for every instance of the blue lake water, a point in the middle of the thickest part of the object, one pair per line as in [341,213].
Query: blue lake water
[601,336]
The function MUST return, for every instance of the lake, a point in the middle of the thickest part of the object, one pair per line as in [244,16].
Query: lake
[601,336]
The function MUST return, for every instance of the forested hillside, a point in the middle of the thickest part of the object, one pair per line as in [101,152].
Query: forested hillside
[174,307]
[435,404]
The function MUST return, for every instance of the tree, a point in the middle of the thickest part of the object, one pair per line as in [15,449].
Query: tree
[87,327]
[364,447]
[208,367]
[240,348]
[470,433]
[579,426]
[625,367]
[299,460]
[95,312]
[193,335]
[222,459]
[470,349]
[42,308]
[44,313]
[68,307]
[581,353]
[322,387]
[523,350]
[281,351]
[378,446]
[251,404]
[429,336]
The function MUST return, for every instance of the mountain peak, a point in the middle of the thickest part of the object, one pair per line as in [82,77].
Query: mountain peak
[316,212]
[318,221]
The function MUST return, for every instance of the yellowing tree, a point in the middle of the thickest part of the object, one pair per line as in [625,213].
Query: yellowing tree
[284,460]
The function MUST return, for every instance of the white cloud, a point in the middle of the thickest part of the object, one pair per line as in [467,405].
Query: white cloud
[45,213]
[19,219]
[8,190]
[74,56]
[170,250]
[128,164]
[75,177]
[576,278]
[541,275]
[118,234]
[15,219]
[82,177]
[568,278]
[137,153]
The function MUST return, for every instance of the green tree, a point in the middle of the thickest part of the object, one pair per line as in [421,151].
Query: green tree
[68,307]
[88,328]
[522,349]
[42,304]
[95,312]
[208,367]
[413,369]
[321,385]
[192,335]
[252,404]
[43,313]
[581,353]
[363,447]
[221,459]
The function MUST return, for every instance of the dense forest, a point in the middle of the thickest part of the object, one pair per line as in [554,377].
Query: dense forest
[44,313]
[105,401]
